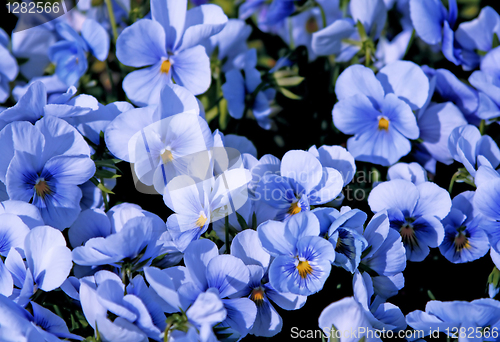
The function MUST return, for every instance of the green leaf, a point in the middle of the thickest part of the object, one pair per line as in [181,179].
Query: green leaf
[361,30]
[289,81]
[241,221]
[223,117]
[105,174]
[496,41]
[289,94]
[103,188]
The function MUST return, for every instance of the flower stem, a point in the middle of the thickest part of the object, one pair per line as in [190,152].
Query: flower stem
[112,20]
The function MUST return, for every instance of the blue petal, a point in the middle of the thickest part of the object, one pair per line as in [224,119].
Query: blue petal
[302,170]
[29,107]
[97,38]
[436,125]
[487,198]
[241,313]
[371,13]
[171,14]
[433,200]
[48,257]
[394,194]
[228,274]
[361,80]
[275,240]
[412,172]
[89,224]
[477,34]
[246,246]
[451,88]
[234,92]
[338,158]
[427,18]
[141,44]
[196,258]
[191,69]
[268,322]
[328,41]
[201,23]
[355,115]
[400,116]
[13,232]
[407,81]
[143,86]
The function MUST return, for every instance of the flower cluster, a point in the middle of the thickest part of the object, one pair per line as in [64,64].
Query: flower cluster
[175,170]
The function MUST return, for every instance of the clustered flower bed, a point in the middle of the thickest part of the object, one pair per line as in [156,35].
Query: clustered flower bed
[219,170]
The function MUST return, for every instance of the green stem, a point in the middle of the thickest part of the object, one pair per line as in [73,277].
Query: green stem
[482,127]
[453,180]
[112,20]
[226,224]
[322,10]
[104,198]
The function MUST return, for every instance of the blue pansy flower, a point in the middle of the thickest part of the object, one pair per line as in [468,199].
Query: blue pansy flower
[16,220]
[134,243]
[434,25]
[384,259]
[470,148]
[436,121]
[197,204]
[344,230]
[486,81]
[346,315]
[380,314]
[8,67]
[156,138]
[48,263]
[137,315]
[298,30]
[231,44]
[302,182]
[412,172]
[237,89]
[206,269]
[268,322]
[478,315]
[169,46]
[378,110]
[47,168]
[269,15]
[415,211]
[464,237]
[331,40]
[450,88]
[69,54]
[302,258]
[33,105]
[40,324]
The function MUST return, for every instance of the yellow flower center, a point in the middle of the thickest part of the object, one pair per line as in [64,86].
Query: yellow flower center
[312,25]
[294,208]
[165,66]
[461,242]
[166,156]
[200,222]
[42,188]
[257,296]
[304,269]
[383,124]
